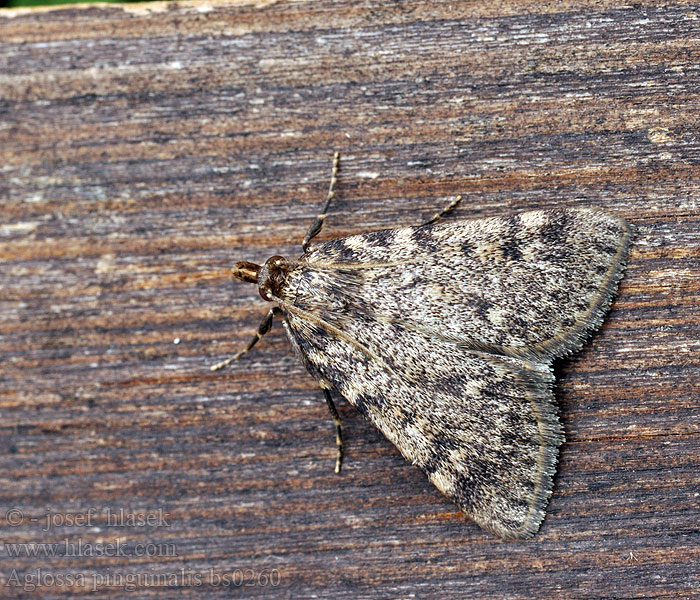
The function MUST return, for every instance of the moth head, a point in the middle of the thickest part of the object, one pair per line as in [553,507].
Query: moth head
[270,277]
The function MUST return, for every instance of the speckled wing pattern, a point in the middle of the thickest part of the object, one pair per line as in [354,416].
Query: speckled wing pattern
[443,336]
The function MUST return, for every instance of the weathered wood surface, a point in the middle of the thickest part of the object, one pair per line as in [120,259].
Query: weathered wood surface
[142,150]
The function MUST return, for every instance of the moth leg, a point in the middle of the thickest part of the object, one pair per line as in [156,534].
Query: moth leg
[263,328]
[444,211]
[316,226]
[338,433]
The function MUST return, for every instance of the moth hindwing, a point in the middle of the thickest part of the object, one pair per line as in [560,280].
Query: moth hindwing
[443,336]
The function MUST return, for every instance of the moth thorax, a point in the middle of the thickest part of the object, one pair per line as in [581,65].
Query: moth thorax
[272,276]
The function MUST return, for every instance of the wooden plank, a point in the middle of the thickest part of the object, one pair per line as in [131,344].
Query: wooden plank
[145,148]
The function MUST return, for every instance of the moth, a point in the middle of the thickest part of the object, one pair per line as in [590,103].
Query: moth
[443,336]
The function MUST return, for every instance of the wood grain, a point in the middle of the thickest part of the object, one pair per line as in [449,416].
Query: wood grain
[145,148]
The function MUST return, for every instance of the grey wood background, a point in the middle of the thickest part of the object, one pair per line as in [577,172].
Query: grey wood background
[143,149]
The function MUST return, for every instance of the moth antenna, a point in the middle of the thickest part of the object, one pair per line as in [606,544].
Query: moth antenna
[328,266]
[290,308]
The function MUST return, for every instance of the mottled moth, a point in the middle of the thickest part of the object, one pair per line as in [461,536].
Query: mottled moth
[443,336]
